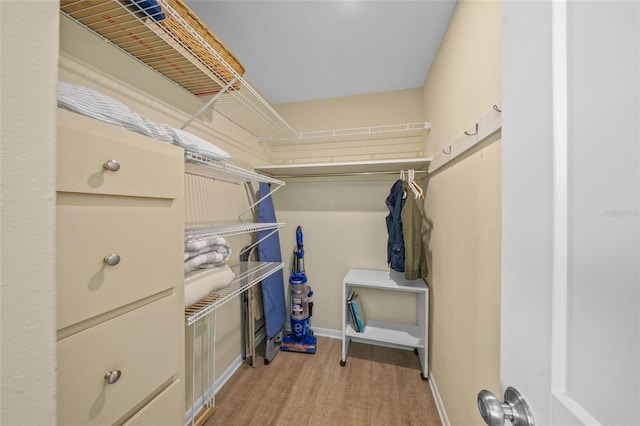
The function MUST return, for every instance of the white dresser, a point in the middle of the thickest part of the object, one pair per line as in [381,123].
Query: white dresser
[120,279]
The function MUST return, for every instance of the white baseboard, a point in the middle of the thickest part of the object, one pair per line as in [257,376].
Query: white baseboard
[327,332]
[439,403]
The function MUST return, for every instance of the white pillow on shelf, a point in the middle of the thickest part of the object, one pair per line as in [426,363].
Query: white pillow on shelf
[197,145]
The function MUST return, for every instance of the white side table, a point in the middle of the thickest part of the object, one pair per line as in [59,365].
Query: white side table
[411,337]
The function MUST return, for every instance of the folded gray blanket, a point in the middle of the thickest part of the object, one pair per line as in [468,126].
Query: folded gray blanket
[212,252]
[205,242]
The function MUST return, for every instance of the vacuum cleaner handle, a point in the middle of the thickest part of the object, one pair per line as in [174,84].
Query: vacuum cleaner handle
[299,242]
[299,251]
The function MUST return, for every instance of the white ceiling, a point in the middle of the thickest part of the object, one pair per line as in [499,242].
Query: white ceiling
[306,50]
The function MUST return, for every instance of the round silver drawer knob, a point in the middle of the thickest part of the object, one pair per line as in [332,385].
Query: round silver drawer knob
[112,259]
[112,165]
[112,376]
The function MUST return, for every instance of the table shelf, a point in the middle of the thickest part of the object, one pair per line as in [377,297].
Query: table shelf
[406,336]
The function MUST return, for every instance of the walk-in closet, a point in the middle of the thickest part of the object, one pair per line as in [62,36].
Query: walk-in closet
[214,214]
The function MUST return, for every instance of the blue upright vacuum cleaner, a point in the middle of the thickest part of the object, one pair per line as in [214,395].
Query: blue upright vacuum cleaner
[301,339]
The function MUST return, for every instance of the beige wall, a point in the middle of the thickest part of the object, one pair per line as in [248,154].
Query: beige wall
[463,206]
[344,227]
[29,55]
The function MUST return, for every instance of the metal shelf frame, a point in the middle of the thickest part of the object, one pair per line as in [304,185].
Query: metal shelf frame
[194,234]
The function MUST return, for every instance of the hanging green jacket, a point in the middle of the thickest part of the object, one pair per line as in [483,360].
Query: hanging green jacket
[415,263]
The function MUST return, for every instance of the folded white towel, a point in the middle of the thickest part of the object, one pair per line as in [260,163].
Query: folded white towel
[194,253]
[215,258]
[199,285]
[205,242]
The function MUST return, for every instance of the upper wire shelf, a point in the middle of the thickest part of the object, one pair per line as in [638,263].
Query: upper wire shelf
[139,36]
[346,168]
[202,166]
[392,131]
[194,234]
[248,274]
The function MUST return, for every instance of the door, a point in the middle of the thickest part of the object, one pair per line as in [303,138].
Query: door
[570,325]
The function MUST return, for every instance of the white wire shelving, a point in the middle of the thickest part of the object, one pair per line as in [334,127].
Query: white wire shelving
[346,168]
[392,131]
[180,61]
[219,87]
[197,164]
[195,234]
[247,274]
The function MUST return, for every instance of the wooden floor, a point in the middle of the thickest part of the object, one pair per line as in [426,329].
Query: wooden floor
[378,386]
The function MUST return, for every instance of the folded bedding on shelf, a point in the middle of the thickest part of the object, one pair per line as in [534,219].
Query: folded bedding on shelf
[206,253]
[194,253]
[199,285]
[205,242]
[207,260]
[89,102]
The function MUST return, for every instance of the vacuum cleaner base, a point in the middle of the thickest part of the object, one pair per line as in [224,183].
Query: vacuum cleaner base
[306,344]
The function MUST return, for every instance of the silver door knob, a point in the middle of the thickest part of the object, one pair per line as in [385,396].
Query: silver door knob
[514,408]
[112,165]
[112,259]
[112,376]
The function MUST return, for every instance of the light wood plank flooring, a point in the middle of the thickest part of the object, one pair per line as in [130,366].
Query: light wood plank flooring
[378,386]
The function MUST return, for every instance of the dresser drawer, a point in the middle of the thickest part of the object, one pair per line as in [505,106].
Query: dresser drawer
[143,345]
[164,410]
[147,167]
[146,234]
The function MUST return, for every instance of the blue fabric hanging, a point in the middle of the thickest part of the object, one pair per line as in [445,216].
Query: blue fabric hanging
[395,241]
[275,306]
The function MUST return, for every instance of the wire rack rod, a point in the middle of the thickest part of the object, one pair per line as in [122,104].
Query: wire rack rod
[195,234]
[208,168]
[358,133]
[248,274]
